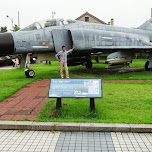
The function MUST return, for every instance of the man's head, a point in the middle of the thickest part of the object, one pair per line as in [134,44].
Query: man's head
[63,48]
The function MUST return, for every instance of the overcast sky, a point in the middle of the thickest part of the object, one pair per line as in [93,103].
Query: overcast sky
[127,13]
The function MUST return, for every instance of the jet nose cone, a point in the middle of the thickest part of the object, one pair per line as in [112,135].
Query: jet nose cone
[6,44]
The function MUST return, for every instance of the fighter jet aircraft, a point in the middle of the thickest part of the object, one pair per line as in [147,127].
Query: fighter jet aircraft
[45,38]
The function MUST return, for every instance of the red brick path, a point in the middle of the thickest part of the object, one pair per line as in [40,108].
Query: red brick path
[25,103]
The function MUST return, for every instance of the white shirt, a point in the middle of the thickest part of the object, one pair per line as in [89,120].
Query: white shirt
[62,55]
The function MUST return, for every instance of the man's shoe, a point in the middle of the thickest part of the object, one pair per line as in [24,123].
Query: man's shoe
[62,77]
[67,77]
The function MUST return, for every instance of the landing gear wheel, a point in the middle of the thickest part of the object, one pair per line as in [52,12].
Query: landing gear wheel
[146,66]
[29,73]
[89,65]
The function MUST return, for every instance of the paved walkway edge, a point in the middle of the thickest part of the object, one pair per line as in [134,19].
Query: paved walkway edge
[90,127]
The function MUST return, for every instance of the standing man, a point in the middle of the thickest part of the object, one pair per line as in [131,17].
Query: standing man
[62,58]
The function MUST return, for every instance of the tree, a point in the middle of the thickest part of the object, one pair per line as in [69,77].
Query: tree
[3,29]
[16,28]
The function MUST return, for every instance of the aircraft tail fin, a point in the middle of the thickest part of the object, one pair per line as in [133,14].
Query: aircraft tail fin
[147,25]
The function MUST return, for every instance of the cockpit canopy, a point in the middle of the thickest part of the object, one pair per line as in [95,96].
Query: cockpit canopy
[48,23]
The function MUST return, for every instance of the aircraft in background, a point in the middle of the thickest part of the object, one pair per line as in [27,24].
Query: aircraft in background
[45,38]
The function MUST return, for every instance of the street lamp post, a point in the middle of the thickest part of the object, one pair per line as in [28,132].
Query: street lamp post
[11,21]
[53,13]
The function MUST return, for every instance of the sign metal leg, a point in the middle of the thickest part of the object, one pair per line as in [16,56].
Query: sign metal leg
[58,103]
[92,105]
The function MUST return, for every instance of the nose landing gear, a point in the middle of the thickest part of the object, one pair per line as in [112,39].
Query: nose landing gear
[29,73]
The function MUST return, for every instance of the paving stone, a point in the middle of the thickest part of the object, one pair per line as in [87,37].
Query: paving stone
[135,142]
[47,141]
[23,144]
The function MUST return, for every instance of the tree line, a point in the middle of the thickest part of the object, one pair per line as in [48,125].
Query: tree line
[4,29]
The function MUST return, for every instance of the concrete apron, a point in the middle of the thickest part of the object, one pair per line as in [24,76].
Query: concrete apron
[75,127]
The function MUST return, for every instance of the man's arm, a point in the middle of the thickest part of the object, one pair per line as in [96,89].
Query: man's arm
[57,56]
[69,51]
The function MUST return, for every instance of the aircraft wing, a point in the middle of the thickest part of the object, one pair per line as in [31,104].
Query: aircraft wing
[147,48]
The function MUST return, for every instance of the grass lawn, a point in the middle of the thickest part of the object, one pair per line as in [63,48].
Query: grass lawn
[13,80]
[122,102]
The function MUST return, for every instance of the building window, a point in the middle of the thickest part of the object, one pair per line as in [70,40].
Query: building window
[86,19]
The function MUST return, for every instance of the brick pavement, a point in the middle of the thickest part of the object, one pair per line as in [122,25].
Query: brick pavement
[26,103]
